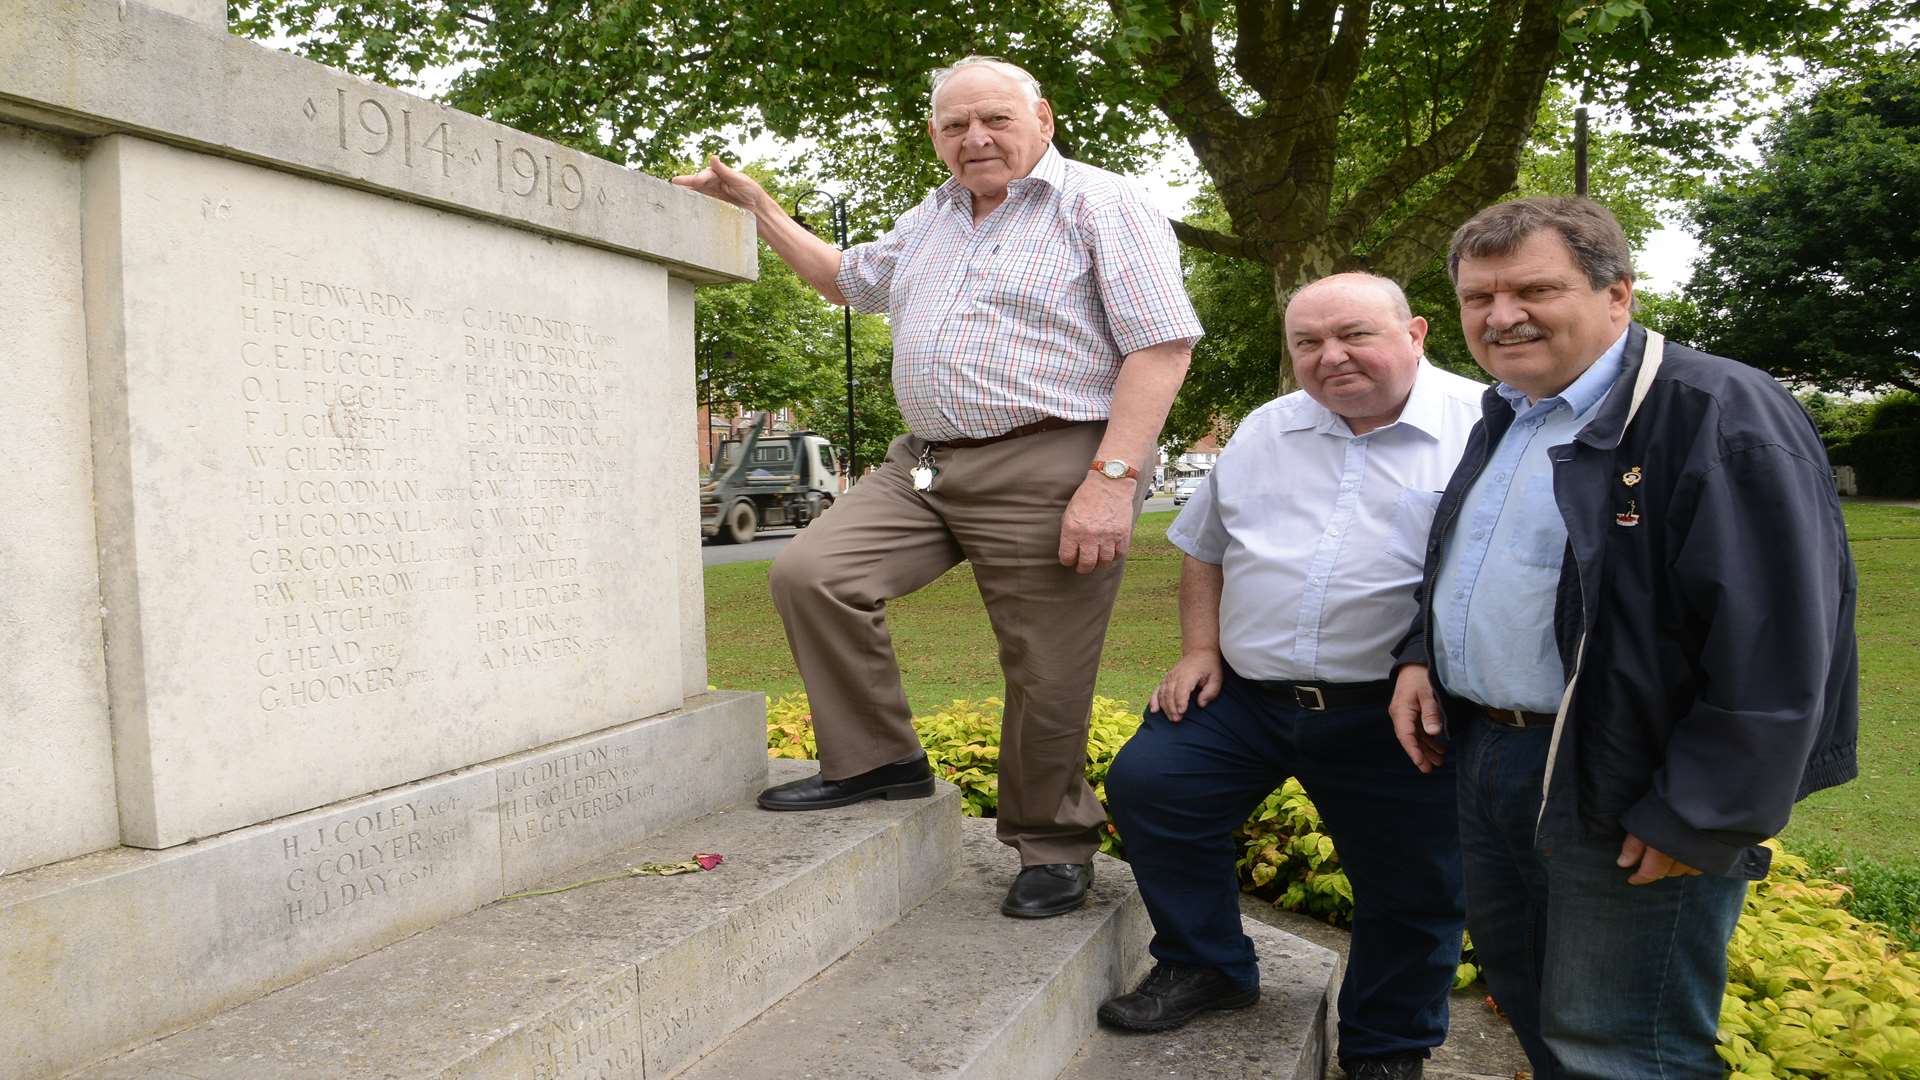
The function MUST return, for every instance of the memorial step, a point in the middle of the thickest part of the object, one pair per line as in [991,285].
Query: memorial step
[1282,1037]
[628,978]
[955,989]
[110,950]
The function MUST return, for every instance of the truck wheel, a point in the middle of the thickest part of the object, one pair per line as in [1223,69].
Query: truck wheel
[740,523]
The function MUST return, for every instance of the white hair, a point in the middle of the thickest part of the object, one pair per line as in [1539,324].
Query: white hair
[1029,85]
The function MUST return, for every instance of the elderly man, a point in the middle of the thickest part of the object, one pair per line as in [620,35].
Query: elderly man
[1303,550]
[1040,332]
[1637,630]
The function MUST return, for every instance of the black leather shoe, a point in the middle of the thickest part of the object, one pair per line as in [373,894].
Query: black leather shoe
[1402,1067]
[1171,995]
[1048,889]
[901,780]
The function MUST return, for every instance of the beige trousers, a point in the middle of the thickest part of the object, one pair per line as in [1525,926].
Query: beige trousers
[998,507]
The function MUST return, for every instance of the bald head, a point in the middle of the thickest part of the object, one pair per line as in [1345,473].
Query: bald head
[1356,347]
[1357,284]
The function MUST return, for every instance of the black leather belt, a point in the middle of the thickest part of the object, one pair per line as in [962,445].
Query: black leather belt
[1319,697]
[1515,718]
[1051,423]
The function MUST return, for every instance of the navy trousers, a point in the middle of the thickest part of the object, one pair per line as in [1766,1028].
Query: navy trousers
[1178,790]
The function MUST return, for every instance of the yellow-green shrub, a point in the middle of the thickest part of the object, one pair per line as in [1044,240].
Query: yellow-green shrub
[1814,991]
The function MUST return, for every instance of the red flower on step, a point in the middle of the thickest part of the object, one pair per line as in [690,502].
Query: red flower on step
[708,862]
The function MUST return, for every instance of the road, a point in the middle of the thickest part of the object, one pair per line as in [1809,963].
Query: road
[768,542]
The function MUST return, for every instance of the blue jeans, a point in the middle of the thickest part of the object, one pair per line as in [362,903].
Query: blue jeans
[1178,790]
[1600,978]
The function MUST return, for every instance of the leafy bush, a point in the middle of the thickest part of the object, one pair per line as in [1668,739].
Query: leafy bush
[1814,991]
[963,747]
[1877,892]
[1886,463]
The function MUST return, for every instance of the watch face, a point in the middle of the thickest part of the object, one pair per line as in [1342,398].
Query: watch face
[1114,469]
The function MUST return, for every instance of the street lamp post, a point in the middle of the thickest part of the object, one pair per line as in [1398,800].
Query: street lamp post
[837,209]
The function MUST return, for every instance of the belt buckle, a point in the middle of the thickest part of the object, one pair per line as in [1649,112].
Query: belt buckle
[1318,703]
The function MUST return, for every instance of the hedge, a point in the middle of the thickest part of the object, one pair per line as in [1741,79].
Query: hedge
[1812,990]
[1885,463]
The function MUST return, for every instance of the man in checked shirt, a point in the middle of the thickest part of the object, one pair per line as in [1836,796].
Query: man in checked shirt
[1040,331]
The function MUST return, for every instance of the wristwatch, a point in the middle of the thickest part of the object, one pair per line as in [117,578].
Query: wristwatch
[1115,470]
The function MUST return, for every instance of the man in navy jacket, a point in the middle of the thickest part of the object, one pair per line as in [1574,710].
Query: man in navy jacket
[1635,641]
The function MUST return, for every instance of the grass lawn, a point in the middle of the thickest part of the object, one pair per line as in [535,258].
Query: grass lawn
[946,652]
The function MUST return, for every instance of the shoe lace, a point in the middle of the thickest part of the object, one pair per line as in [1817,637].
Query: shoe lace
[1159,980]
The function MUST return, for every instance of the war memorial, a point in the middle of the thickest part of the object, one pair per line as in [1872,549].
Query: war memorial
[354,585]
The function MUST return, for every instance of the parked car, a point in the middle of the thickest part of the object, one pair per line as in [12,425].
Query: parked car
[1184,490]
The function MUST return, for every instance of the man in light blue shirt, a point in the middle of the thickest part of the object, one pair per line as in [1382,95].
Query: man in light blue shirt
[1505,564]
[1303,549]
[1635,648]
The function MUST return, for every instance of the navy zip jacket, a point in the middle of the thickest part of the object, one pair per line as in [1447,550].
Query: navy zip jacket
[1715,595]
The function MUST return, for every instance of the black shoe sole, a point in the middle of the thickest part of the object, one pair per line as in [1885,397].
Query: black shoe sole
[1239,1000]
[918,789]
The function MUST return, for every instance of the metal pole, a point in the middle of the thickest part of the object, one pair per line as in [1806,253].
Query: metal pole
[838,207]
[1580,151]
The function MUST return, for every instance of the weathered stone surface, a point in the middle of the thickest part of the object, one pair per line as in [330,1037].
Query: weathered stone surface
[1282,1036]
[955,989]
[562,805]
[211,13]
[617,979]
[370,513]
[101,951]
[680,496]
[161,939]
[56,768]
[95,66]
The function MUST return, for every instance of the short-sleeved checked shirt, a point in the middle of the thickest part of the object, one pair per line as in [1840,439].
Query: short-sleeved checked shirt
[1029,314]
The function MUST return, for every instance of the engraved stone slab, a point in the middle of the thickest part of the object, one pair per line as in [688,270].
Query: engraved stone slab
[56,762]
[104,950]
[97,66]
[372,487]
[563,805]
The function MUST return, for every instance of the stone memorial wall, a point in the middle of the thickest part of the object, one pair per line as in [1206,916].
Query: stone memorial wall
[373,412]
[350,535]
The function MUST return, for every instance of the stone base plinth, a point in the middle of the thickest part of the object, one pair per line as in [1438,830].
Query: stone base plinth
[101,952]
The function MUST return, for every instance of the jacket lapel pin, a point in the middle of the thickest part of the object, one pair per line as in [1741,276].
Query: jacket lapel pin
[1630,517]
[1631,476]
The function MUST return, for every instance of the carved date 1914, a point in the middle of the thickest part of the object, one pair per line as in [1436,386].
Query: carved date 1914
[368,125]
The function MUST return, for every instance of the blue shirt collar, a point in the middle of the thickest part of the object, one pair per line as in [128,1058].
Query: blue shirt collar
[1586,391]
[1051,170]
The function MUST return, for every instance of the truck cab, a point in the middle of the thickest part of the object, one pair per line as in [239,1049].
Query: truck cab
[766,480]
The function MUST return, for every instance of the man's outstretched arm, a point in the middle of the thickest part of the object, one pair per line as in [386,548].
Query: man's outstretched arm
[816,261]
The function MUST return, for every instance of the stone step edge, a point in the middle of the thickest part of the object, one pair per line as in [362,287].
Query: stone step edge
[954,989]
[638,975]
[1283,1035]
[109,950]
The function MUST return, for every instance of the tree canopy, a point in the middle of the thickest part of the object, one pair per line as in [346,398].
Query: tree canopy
[1234,364]
[1337,134]
[1811,267]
